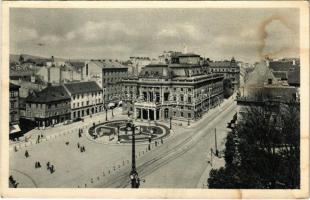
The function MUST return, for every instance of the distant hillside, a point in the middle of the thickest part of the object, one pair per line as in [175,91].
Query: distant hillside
[15,57]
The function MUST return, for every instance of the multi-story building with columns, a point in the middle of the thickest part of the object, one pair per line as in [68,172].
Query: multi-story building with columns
[179,91]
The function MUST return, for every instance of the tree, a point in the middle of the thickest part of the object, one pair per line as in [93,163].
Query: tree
[263,151]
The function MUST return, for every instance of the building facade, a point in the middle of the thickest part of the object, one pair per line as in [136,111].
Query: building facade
[179,91]
[14,104]
[48,107]
[86,98]
[108,74]
[229,69]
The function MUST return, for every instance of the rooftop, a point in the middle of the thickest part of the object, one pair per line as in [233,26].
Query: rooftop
[49,94]
[294,77]
[14,87]
[108,64]
[82,87]
[76,64]
[281,65]
[188,55]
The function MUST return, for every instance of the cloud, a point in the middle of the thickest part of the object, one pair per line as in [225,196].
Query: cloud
[50,39]
[120,33]
[92,31]
[181,31]
[24,34]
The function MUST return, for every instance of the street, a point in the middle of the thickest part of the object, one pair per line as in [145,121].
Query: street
[109,165]
[164,167]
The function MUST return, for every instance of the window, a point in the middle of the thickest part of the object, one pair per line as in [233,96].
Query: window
[87,103]
[189,99]
[174,113]
[181,114]
[86,69]
[78,104]
[82,104]
[166,96]
[189,115]
[182,97]
[174,98]
[181,89]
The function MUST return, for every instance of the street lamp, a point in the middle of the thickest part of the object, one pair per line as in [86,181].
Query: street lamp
[134,178]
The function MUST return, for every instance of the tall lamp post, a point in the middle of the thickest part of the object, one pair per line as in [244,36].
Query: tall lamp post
[134,178]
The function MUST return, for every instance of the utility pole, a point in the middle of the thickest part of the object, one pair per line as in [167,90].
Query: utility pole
[106,114]
[216,150]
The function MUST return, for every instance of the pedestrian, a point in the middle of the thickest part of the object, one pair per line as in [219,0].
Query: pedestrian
[39,165]
[26,154]
[78,145]
[48,165]
[15,185]
[41,135]
[83,149]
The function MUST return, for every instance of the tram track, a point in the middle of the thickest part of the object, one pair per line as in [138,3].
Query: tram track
[144,168]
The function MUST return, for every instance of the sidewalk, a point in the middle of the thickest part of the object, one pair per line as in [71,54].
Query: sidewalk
[62,130]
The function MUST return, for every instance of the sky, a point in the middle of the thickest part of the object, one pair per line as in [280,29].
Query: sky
[246,34]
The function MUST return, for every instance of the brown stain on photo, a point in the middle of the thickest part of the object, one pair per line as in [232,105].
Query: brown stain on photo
[263,35]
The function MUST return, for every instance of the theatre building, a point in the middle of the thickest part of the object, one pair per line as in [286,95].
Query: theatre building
[48,107]
[179,91]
